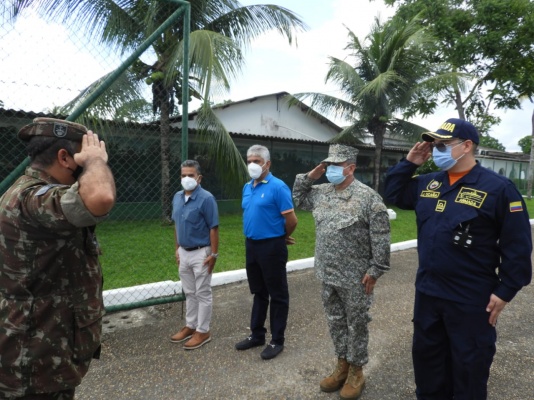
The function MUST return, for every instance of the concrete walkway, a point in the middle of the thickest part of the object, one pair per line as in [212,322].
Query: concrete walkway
[139,362]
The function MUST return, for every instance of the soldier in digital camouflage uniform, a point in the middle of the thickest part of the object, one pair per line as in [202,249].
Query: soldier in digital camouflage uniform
[51,302]
[351,252]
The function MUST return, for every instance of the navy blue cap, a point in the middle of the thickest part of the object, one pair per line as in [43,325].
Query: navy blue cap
[453,128]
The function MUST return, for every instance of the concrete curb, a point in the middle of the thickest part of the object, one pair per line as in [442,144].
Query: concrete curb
[122,296]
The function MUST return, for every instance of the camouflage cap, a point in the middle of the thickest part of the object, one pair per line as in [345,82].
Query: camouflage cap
[339,153]
[52,127]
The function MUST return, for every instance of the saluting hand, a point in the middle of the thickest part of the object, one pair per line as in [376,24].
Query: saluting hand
[92,148]
[317,172]
[420,153]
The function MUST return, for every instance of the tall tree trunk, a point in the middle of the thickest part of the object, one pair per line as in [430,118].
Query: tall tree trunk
[165,162]
[458,102]
[531,163]
[378,136]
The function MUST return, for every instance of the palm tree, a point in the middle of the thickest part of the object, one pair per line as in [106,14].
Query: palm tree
[220,31]
[387,79]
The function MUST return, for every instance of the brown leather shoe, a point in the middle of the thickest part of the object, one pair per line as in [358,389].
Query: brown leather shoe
[354,384]
[198,339]
[337,378]
[184,334]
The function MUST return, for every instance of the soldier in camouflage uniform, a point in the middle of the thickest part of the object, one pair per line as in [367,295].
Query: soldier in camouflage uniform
[51,303]
[351,253]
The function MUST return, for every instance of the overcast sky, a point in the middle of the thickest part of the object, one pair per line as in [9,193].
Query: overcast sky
[274,66]
[36,55]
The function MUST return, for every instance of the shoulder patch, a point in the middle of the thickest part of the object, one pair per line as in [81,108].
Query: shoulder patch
[516,206]
[46,188]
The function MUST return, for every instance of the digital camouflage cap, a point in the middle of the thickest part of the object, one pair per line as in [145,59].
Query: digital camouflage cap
[51,127]
[340,153]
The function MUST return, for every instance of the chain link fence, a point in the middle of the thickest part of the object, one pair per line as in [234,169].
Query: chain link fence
[137,242]
[46,68]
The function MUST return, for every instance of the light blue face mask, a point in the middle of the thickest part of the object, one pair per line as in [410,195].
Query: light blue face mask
[443,158]
[334,174]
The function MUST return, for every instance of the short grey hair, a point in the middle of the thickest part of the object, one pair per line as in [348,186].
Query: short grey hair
[260,151]
[191,163]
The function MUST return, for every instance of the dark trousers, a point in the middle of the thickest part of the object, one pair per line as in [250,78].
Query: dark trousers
[453,348]
[267,278]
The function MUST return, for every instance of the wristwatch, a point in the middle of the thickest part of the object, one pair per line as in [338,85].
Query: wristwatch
[214,255]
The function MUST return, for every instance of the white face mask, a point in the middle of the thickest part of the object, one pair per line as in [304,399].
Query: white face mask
[255,170]
[189,183]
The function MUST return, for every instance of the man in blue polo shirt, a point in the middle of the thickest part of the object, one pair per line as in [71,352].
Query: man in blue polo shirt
[268,221]
[194,211]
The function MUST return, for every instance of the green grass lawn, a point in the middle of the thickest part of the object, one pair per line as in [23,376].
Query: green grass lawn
[137,252]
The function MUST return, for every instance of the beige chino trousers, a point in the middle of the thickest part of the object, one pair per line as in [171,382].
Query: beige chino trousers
[196,284]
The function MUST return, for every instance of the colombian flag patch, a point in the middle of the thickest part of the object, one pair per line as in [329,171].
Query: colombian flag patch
[516,206]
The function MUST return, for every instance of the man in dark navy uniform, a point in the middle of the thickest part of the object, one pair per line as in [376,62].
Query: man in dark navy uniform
[474,244]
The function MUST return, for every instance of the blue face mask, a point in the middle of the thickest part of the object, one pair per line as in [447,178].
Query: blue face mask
[443,159]
[334,174]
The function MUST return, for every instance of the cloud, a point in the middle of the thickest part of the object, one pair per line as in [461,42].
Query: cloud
[274,66]
[45,64]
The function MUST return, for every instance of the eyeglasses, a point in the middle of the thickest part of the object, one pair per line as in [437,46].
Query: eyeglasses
[442,147]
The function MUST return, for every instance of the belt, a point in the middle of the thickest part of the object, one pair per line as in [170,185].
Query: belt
[193,248]
[266,239]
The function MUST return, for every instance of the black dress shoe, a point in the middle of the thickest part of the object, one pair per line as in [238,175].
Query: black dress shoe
[249,343]
[271,351]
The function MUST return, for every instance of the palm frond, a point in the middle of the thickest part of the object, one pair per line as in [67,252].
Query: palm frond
[125,90]
[220,148]
[345,76]
[106,21]
[244,24]
[352,134]
[215,59]
[327,105]
[405,129]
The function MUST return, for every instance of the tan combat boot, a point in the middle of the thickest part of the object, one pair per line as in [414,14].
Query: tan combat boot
[337,378]
[354,385]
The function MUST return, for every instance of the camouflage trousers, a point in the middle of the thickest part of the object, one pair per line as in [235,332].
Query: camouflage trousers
[347,315]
